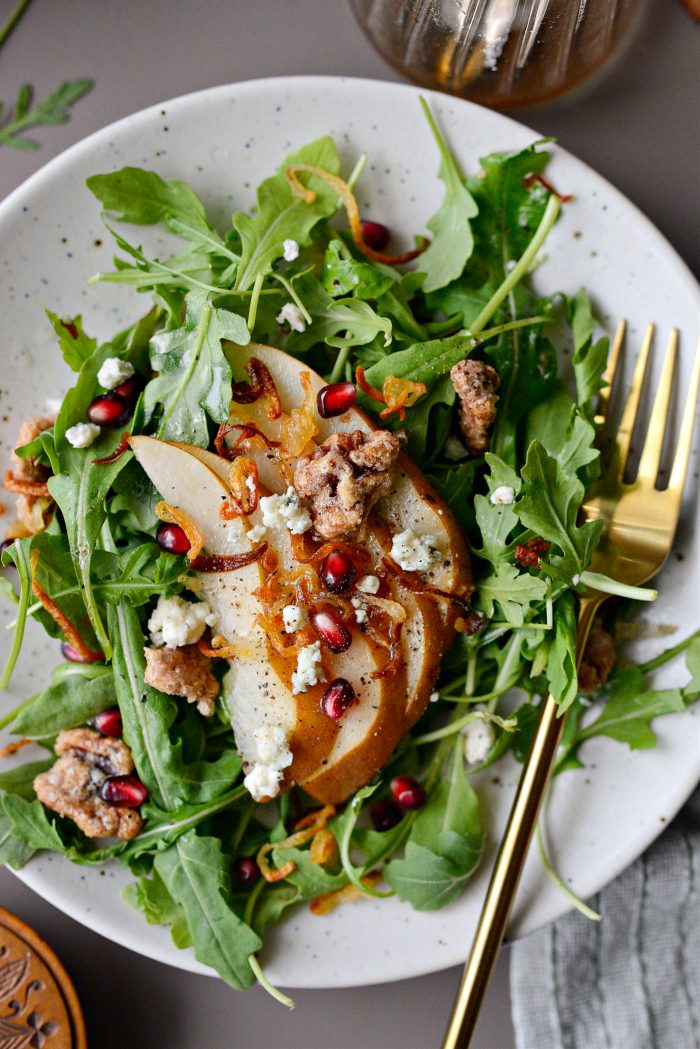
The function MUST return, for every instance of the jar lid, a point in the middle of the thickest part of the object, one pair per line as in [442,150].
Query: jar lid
[38,1003]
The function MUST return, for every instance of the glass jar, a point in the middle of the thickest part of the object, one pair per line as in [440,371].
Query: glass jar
[500,53]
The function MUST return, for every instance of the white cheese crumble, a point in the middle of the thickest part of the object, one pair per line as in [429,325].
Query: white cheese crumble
[360,610]
[114,372]
[176,622]
[285,510]
[504,495]
[294,618]
[82,434]
[309,671]
[454,450]
[369,584]
[256,533]
[434,697]
[478,741]
[291,314]
[575,579]
[271,745]
[414,553]
[263,781]
[291,250]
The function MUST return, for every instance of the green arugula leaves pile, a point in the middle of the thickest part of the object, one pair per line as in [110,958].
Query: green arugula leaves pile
[467,294]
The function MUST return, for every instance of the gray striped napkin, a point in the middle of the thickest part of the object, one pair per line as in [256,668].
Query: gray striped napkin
[631,981]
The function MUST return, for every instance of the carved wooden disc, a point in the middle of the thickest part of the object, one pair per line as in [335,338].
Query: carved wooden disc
[39,1008]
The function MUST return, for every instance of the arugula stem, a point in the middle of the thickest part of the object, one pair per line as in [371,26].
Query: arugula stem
[357,171]
[664,657]
[521,267]
[254,299]
[241,827]
[289,288]
[12,714]
[571,896]
[264,982]
[13,20]
[339,366]
[19,631]
[606,585]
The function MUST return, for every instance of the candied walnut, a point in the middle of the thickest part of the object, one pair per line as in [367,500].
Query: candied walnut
[72,785]
[598,660]
[33,511]
[475,384]
[344,477]
[184,672]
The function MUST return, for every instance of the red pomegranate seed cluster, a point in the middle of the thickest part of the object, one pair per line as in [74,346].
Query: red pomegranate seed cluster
[385,814]
[247,871]
[109,722]
[337,572]
[172,538]
[109,411]
[336,399]
[407,792]
[125,791]
[528,554]
[337,698]
[335,635]
[375,235]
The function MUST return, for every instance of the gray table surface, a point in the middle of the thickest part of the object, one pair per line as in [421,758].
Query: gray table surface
[637,127]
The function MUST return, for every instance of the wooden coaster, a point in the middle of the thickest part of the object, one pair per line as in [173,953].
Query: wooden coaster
[39,1008]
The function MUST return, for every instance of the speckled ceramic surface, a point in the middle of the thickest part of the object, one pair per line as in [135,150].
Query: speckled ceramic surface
[224,141]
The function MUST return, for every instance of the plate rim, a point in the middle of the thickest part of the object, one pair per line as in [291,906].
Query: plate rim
[185,960]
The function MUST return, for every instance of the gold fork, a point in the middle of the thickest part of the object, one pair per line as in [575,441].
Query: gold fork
[639,526]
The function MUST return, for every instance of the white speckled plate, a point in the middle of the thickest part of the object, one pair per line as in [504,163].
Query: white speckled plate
[224,141]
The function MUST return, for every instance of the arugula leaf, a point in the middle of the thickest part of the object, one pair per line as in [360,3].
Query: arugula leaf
[341,274]
[54,109]
[31,824]
[80,489]
[188,270]
[456,486]
[423,362]
[13,851]
[149,719]
[561,665]
[150,896]
[144,198]
[549,506]
[20,780]
[283,216]
[194,379]
[445,844]
[195,874]
[589,357]
[512,590]
[77,692]
[452,243]
[76,348]
[566,435]
[496,521]
[355,319]
[629,709]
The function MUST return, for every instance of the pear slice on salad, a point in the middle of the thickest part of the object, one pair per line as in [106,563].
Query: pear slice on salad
[258,688]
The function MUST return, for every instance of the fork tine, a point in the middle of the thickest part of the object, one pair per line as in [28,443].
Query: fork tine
[629,414]
[649,463]
[609,374]
[685,437]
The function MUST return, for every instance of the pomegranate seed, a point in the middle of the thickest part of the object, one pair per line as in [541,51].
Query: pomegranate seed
[335,399]
[71,328]
[336,636]
[130,388]
[337,572]
[172,538]
[247,871]
[125,791]
[407,792]
[109,722]
[375,235]
[337,698]
[73,656]
[109,411]
[385,815]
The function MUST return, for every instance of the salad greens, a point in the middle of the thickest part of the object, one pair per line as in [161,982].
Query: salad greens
[468,293]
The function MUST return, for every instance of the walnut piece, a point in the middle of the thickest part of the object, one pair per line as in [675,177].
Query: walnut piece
[32,511]
[598,660]
[72,785]
[183,671]
[344,477]
[475,384]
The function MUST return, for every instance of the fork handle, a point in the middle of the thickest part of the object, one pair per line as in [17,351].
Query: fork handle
[511,856]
